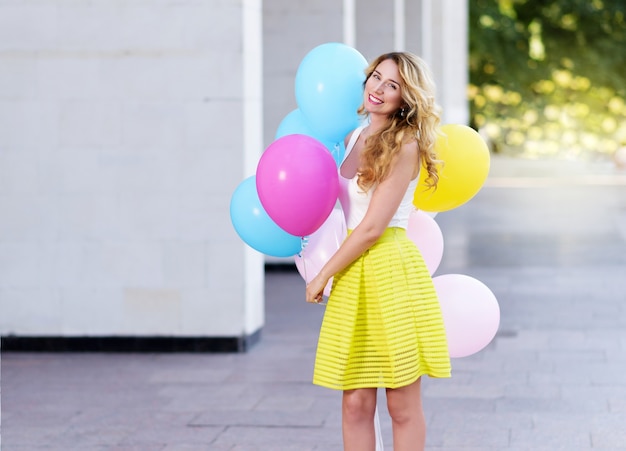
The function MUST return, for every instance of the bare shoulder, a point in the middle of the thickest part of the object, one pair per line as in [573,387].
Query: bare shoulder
[346,140]
[409,151]
[408,157]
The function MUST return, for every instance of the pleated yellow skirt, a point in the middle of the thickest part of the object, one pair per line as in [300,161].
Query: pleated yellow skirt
[383,325]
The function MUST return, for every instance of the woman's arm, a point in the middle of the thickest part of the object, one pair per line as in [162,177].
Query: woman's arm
[383,205]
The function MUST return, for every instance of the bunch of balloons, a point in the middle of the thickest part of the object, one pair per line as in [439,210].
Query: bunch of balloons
[296,184]
[288,207]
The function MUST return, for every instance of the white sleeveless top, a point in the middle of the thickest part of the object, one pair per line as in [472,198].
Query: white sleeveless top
[355,201]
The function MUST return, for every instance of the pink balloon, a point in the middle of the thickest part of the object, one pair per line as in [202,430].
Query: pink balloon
[297,183]
[424,231]
[471,313]
[321,245]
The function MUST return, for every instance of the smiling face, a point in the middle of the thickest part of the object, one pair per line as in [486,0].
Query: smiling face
[383,92]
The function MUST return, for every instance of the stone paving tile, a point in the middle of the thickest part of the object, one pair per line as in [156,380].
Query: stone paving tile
[460,437]
[617,403]
[557,405]
[613,373]
[191,376]
[163,434]
[565,437]
[478,421]
[277,437]
[191,447]
[185,399]
[267,419]
[489,391]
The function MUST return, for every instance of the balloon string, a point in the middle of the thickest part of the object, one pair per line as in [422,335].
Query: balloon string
[303,243]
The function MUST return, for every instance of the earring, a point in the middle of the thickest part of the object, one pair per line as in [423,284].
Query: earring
[402,112]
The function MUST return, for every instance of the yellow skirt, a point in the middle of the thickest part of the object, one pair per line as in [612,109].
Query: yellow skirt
[383,325]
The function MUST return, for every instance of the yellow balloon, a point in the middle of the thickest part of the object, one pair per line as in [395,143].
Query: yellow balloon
[465,167]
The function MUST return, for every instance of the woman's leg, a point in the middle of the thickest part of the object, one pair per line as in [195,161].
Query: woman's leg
[407,417]
[357,409]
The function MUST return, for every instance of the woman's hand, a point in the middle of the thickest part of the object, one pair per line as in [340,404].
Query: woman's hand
[315,289]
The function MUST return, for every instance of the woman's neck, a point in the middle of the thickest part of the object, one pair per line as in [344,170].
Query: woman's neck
[376,123]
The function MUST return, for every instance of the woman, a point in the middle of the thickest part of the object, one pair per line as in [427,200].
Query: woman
[383,325]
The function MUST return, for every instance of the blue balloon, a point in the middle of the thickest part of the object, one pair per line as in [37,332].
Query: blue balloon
[329,89]
[255,227]
[295,124]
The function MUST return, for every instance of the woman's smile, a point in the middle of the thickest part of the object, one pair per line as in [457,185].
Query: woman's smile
[375,100]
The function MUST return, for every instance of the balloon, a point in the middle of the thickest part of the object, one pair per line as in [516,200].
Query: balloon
[295,123]
[424,231]
[255,227]
[470,313]
[465,157]
[320,246]
[329,89]
[298,183]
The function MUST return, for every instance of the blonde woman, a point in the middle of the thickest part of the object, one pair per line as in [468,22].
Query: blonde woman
[383,326]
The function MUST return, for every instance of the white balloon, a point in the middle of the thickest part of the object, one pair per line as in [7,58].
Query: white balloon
[471,313]
[424,231]
[320,246]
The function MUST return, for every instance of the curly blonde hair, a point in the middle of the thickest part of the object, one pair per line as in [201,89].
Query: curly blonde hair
[417,120]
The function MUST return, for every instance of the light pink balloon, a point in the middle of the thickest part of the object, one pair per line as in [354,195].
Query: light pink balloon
[424,231]
[297,183]
[321,245]
[471,313]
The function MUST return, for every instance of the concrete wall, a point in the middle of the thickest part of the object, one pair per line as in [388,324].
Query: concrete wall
[124,129]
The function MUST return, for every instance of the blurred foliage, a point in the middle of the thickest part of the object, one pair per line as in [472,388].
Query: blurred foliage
[549,77]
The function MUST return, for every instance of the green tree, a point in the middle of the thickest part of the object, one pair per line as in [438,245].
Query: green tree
[549,77]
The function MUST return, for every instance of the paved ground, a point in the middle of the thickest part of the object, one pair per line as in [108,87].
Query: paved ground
[549,239]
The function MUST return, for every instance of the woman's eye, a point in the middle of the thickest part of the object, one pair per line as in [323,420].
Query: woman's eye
[392,86]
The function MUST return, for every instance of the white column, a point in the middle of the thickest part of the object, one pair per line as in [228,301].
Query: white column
[426,18]
[254,311]
[349,22]
[399,34]
[445,46]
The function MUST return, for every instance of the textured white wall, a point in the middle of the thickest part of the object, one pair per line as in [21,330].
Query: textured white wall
[122,131]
